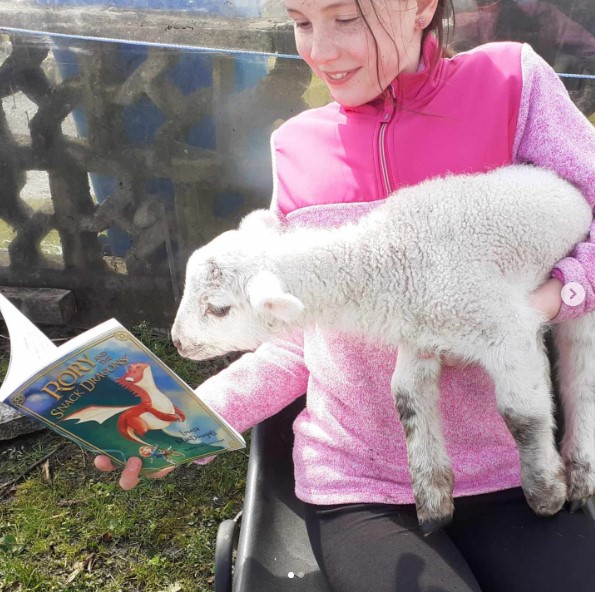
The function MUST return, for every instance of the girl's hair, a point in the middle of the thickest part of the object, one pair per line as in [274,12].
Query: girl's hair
[441,26]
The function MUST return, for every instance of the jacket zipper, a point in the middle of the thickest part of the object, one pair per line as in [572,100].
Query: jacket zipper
[382,143]
[382,146]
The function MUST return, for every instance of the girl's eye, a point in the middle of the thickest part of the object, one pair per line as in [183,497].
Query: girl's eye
[218,311]
[302,25]
[348,21]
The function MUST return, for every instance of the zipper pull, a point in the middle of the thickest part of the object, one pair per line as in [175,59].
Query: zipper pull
[390,103]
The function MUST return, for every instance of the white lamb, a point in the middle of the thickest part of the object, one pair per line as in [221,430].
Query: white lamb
[444,267]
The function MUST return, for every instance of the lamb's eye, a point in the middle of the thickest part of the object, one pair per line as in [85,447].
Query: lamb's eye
[218,311]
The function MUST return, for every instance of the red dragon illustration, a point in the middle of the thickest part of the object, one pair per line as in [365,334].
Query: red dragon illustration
[154,412]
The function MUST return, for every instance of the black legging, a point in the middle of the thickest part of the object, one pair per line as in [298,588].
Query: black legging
[494,544]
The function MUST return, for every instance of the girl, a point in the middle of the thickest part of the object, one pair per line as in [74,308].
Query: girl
[404,113]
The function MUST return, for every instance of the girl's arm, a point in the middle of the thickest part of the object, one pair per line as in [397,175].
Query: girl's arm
[553,133]
[259,384]
[251,389]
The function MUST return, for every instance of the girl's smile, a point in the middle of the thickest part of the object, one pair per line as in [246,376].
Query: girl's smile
[358,48]
[338,78]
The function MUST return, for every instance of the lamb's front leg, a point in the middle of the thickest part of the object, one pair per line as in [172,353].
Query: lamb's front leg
[415,387]
[575,344]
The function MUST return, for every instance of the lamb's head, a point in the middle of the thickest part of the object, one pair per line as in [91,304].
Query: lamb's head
[231,301]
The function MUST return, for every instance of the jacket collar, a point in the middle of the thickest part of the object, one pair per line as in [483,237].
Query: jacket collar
[411,89]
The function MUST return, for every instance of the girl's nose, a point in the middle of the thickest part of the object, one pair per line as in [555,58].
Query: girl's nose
[324,48]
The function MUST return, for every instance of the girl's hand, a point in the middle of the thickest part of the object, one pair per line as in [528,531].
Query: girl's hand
[130,476]
[547,299]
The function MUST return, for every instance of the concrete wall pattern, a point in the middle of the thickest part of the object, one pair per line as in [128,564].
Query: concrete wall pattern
[171,148]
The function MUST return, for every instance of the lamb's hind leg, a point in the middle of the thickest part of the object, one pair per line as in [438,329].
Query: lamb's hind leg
[520,370]
[575,344]
[415,387]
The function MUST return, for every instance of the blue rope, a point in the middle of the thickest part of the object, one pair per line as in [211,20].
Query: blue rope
[583,76]
[224,51]
[215,50]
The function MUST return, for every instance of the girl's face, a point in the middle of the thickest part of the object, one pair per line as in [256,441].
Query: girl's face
[357,54]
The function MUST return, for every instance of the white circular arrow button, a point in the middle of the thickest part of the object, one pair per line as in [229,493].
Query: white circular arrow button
[573,294]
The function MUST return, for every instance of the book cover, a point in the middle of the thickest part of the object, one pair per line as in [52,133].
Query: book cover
[109,393]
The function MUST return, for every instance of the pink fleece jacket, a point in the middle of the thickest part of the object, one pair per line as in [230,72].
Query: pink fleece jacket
[495,105]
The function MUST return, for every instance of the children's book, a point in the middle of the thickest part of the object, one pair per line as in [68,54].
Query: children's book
[109,393]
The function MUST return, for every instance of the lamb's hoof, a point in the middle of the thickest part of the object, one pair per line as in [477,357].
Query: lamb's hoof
[581,483]
[547,499]
[433,500]
[434,524]
[577,505]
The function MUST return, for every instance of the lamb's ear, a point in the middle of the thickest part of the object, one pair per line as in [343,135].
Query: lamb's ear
[267,295]
[260,220]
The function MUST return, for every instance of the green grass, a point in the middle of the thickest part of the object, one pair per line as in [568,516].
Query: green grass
[67,527]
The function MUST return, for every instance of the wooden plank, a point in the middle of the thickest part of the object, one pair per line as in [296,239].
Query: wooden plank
[44,306]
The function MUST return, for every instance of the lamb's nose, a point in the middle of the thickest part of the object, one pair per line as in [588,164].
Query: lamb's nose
[177,343]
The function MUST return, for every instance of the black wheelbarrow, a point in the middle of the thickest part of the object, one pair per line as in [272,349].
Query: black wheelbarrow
[271,551]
